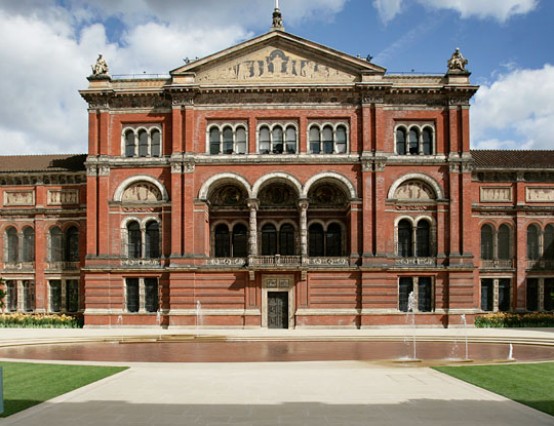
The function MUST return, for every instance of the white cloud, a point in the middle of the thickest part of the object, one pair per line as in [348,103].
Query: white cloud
[518,107]
[47,51]
[388,9]
[501,10]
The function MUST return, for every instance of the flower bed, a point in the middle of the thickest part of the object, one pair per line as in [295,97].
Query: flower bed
[20,320]
[508,320]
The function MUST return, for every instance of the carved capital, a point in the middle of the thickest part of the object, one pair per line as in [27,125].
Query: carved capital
[104,170]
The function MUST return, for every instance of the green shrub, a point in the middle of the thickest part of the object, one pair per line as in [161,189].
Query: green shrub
[509,320]
[21,320]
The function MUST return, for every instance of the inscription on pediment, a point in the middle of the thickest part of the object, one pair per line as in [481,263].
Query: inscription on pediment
[273,65]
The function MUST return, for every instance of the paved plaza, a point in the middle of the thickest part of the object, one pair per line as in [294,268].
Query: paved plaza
[293,393]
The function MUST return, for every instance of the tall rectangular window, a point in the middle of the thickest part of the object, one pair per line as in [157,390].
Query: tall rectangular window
[425,294]
[72,295]
[28,295]
[549,294]
[504,294]
[132,294]
[11,290]
[405,287]
[487,294]
[55,295]
[532,294]
[151,294]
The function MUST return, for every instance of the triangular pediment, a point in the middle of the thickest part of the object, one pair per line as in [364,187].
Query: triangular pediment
[277,58]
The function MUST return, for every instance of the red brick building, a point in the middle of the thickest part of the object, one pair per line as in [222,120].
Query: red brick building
[279,183]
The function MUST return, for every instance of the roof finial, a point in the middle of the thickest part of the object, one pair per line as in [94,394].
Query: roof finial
[277,18]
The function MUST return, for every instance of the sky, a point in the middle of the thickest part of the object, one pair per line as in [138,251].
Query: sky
[47,48]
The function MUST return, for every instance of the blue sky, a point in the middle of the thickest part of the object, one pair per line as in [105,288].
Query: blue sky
[48,46]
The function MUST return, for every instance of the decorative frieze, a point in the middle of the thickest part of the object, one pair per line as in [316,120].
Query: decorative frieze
[539,195]
[226,261]
[496,194]
[142,192]
[19,198]
[62,197]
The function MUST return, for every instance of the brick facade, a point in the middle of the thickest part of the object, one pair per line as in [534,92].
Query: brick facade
[278,183]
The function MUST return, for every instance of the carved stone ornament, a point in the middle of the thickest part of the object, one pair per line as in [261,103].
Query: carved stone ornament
[62,197]
[457,63]
[327,195]
[539,195]
[144,192]
[277,195]
[100,68]
[414,190]
[228,195]
[19,198]
[273,65]
[496,194]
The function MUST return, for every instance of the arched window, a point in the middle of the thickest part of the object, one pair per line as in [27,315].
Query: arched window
[549,242]
[12,245]
[156,143]
[423,239]
[269,240]
[214,140]
[134,241]
[286,240]
[222,242]
[240,241]
[291,140]
[405,241]
[316,240]
[278,142]
[315,147]
[401,141]
[56,245]
[152,240]
[71,252]
[227,140]
[28,244]
[504,244]
[487,245]
[533,242]
[413,141]
[427,141]
[129,143]
[340,144]
[264,140]
[327,140]
[240,136]
[333,240]
[143,143]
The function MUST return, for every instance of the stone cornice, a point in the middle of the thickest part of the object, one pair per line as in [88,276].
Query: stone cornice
[42,178]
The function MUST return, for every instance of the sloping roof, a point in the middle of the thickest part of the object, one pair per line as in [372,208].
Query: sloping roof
[42,163]
[513,159]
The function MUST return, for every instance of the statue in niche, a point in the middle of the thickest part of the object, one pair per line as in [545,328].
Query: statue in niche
[100,68]
[457,63]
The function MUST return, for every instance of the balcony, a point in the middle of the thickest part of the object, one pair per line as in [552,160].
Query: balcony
[144,263]
[62,266]
[279,261]
[416,261]
[497,264]
[541,264]
[19,266]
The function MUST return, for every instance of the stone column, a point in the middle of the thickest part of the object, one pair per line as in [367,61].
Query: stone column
[495,294]
[253,204]
[303,207]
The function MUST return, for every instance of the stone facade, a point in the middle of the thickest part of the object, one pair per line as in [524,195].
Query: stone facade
[278,183]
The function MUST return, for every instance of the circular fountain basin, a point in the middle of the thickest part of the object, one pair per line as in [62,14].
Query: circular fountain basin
[200,350]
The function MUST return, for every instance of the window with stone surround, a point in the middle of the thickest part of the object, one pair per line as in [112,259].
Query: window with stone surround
[414,238]
[422,291]
[496,244]
[142,239]
[229,138]
[328,138]
[277,138]
[141,141]
[141,294]
[414,139]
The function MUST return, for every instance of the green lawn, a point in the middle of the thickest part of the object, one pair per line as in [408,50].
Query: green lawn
[27,384]
[530,384]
